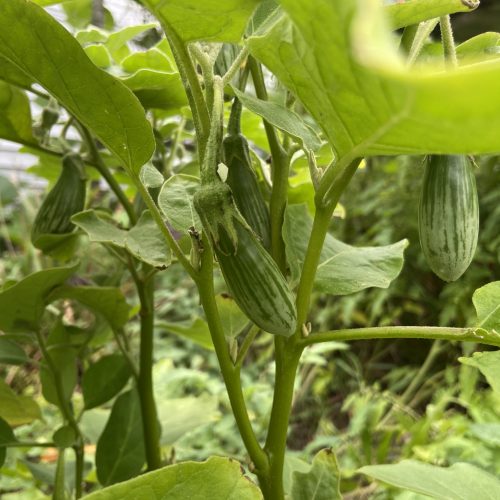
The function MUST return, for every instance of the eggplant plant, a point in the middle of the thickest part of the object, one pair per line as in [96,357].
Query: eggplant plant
[335,83]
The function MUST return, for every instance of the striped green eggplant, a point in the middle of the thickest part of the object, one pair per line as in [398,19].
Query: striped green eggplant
[448,215]
[252,277]
[65,199]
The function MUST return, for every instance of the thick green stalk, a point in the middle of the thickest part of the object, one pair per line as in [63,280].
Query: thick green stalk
[193,88]
[280,165]
[230,372]
[145,381]
[450,54]
[287,360]
[288,351]
[67,413]
[405,332]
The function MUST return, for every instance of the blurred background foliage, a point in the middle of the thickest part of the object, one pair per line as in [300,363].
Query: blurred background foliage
[372,402]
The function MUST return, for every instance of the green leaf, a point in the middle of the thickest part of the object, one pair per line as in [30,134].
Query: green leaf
[107,301]
[176,202]
[63,357]
[17,410]
[488,363]
[415,11]
[64,437]
[282,118]
[23,304]
[321,482]
[210,20]
[197,331]
[6,436]
[118,39]
[10,73]
[217,477]
[104,379]
[38,45]
[479,48]
[99,55]
[15,115]
[343,269]
[144,241]
[150,176]
[341,61]
[232,319]
[181,415]
[98,229]
[486,300]
[120,449]
[154,72]
[11,353]
[461,481]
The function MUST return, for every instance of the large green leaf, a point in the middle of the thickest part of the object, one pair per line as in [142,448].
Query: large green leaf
[107,301]
[104,379]
[488,363]
[208,20]
[461,481]
[341,61]
[321,482]
[217,478]
[415,11]
[343,269]
[17,410]
[15,115]
[487,303]
[23,304]
[120,449]
[34,42]
[282,118]
[144,241]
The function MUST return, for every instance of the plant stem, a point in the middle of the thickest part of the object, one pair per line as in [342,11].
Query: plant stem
[193,88]
[235,66]
[67,412]
[145,381]
[405,332]
[409,34]
[247,342]
[108,176]
[230,372]
[423,32]
[280,165]
[450,54]
[287,360]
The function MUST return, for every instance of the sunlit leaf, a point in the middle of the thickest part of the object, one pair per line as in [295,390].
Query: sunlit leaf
[210,20]
[38,45]
[120,449]
[343,269]
[217,477]
[461,480]
[23,304]
[351,79]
